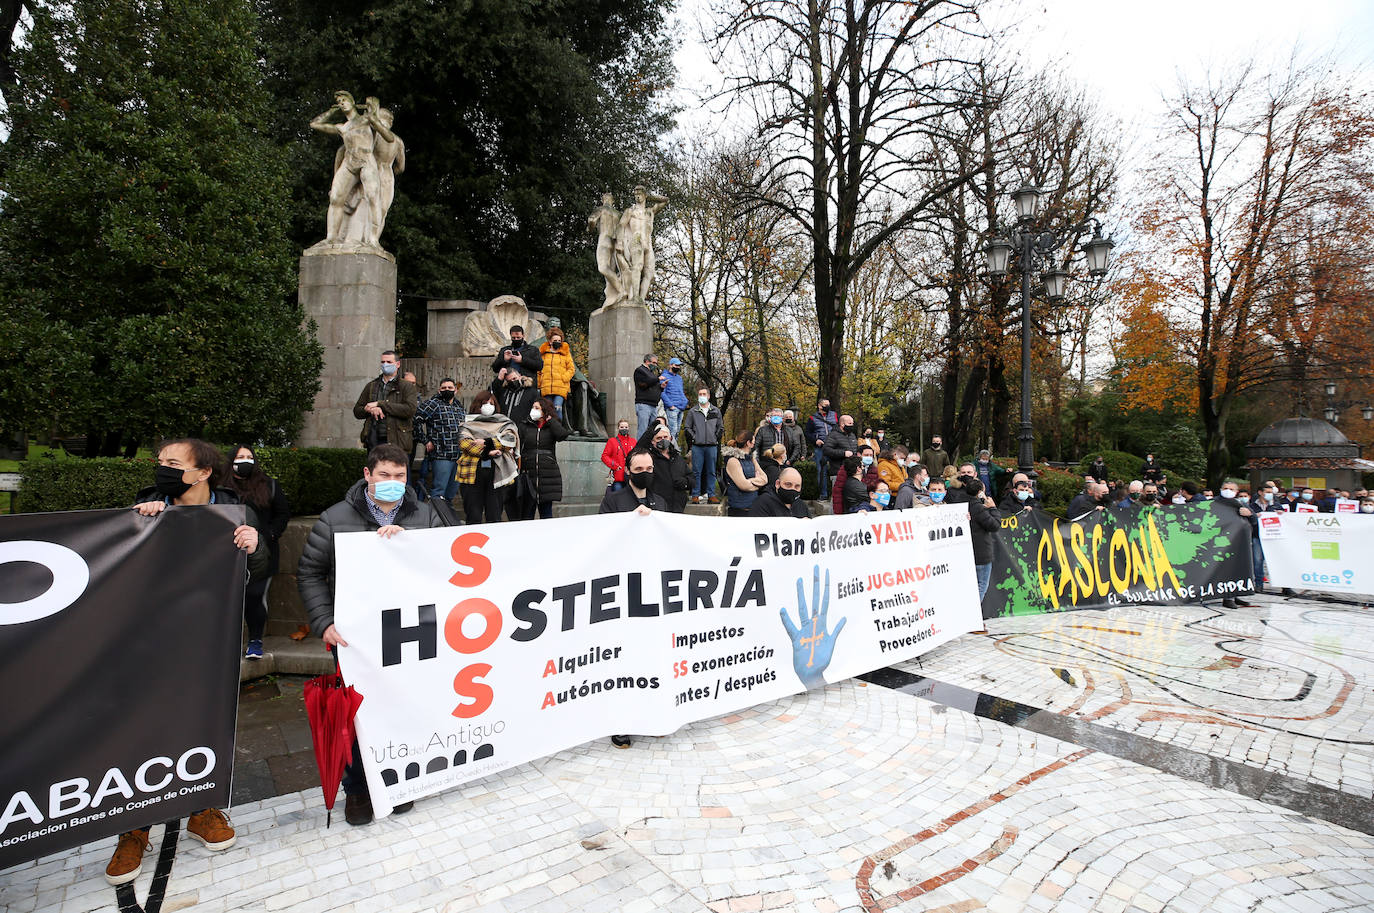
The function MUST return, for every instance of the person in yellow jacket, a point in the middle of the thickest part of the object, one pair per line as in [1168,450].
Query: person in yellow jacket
[892,467]
[555,378]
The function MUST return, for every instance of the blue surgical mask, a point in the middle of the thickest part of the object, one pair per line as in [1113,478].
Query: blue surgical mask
[775,419]
[390,491]
[883,497]
[937,496]
[1307,496]
[868,461]
[1023,495]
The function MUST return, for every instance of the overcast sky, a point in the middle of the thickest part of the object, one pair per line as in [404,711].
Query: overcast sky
[1128,55]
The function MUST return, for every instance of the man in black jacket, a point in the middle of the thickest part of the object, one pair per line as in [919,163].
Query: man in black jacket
[841,443]
[1230,501]
[379,501]
[515,393]
[649,384]
[519,354]
[636,496]
[783,499]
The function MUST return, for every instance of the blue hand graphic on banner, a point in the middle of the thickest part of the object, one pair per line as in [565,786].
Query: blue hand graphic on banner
[812,645]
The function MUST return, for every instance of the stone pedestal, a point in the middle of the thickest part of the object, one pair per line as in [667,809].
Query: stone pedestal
[445,331]
[618,339]
[351,296]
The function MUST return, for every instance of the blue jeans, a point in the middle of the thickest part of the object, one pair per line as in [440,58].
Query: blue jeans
[823,473]
[445,485]
[674,417]
[557,405]
[984,578]
[1257,553]
[644,414]
[704,468]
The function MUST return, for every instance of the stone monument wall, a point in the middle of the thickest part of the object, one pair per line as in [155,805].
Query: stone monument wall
[352,299]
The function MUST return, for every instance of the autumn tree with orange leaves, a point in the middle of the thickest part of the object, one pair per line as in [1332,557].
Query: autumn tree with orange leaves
[1262,190]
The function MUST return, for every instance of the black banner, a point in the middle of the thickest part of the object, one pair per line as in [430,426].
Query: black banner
[119,636]
[1125,554]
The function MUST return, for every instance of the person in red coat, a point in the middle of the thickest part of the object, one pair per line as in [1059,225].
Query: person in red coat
[615,452]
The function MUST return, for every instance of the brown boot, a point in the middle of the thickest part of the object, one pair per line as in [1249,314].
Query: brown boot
[211,828]
[128,857]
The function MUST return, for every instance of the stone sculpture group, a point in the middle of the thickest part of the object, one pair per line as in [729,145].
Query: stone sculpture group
[625,246]
[365,169]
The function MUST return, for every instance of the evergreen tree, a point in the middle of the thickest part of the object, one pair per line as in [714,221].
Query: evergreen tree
[143,230]
[516,116]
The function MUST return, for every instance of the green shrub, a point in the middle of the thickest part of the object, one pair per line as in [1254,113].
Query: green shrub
[811,489]
[1057,488]
[1120,465]
[1179,451]
[54,483]
[313,478]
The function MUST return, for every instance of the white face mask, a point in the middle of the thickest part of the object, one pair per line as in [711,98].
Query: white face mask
[1367,508]
[1178,499]
[488,409]
[536,414]
[1228,493]
[703,400]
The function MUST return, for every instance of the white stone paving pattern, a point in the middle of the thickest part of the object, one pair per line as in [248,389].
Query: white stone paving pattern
[863,798]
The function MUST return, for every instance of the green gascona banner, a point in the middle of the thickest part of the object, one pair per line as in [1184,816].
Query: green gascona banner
[1124,554]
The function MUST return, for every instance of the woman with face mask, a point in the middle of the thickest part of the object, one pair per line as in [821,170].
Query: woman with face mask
[672,478]
[488,446]
[617,449]
[744,477]
[540,433]
[188,474]
[263,493]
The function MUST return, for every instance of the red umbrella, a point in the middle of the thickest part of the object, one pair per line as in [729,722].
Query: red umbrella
[330,706]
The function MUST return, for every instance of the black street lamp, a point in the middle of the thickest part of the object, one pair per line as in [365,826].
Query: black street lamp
[1036,247]
[1332,412]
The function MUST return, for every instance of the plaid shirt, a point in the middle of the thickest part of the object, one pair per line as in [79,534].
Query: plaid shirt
[437,421]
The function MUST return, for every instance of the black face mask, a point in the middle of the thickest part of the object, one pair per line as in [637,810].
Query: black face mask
[243,470]
[556,345]
[788,495]
[446,395]
[642,480]
[661,445]
[846,429]
[1149,497]
[935,445]
[517,342]
[624,432]
[169,481]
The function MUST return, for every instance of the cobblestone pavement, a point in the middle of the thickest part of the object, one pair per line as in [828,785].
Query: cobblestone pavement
[1138,759]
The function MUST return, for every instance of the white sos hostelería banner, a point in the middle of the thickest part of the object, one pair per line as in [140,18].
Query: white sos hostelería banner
[1307,551]
[478,648]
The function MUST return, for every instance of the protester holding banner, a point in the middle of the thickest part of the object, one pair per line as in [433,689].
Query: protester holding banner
[265,495]
[188,473]
[984,520]
[783,498]
[379,501]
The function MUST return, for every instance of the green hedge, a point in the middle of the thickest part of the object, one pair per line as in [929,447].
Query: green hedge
[312,477]
[1120,465]
[1057,488]
[55,483]
[811,489]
